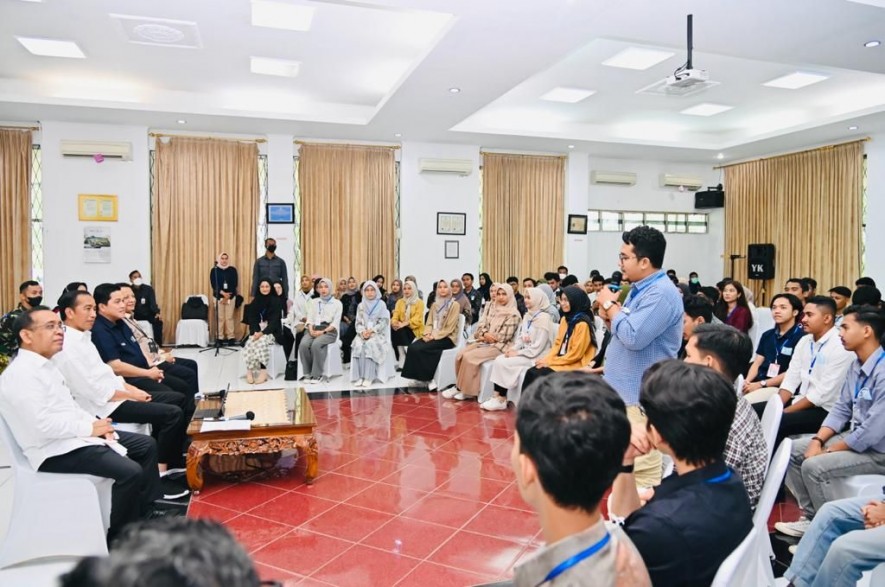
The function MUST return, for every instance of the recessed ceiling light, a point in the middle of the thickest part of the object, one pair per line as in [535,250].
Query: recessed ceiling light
[278,67]
[637,58]
[454,90]
[706,109]
[796,80]
[398,134]
[871,44]
[279,15]
[571,146]
[51,47]
[568,95]
[182,121]
[720,156]
[852,127]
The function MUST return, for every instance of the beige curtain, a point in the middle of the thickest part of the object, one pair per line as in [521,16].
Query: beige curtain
[15,214]
[522,214]
[205,201]
[808,205]
[348,224]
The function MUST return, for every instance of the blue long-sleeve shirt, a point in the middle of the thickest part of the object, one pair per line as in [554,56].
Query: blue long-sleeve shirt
[648,329]
[862,402]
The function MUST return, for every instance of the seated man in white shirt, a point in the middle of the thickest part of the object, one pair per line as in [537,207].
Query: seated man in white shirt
[99,391]
[58,436]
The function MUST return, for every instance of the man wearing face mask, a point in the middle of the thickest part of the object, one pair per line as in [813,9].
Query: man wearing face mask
[146,307]
[30,295]
[270,267]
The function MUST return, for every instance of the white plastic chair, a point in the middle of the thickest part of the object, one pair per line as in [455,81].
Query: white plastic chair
[515,392]
[773,479]
[740,569]
[771,421]
[445,370]
[147,327]
[486,387]
[386,370]
[53,514]
[193,332]
[857,486]
[763,317]
[276,364]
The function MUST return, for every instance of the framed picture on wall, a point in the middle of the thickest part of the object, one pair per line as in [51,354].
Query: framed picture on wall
[281,213]
[577,224]
[97,208]
[454,223]
[452,249]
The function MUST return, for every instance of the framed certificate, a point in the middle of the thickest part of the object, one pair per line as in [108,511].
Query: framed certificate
[97,208]
[454,223]
[577,224]
[452,249]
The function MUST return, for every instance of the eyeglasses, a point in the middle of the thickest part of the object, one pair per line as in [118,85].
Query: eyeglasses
[622,257]
[49,327]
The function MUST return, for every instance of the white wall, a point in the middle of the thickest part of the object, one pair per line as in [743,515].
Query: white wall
[65,178]
[875,261]
[422,196]
[280,152]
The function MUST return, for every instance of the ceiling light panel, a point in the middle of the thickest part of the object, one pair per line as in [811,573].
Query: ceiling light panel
[568,95]
[706,109]
[796,80]
[161,32]
[51,47]
[278,67]
[638,58]
[280,15]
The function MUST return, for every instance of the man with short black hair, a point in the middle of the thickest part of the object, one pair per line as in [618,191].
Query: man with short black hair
[528,282]
[30,295]
[553,280]
[699,515]
[867,296]
[563,471]
[513,282]
[269,266]
[774,353]
[696,310]
[798,287]
[842,296]
[865,282]
[727,351]
[473,295]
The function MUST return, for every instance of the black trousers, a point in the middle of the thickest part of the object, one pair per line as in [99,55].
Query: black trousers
[348,334]
[423,358]
[152,387]
[136,477]
[165,414]
[185,369]
[535,373]
[402,337]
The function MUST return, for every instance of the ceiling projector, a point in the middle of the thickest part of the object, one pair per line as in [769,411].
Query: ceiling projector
[688,78]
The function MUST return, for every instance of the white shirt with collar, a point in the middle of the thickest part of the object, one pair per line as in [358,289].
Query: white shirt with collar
[39,409]
[298,312]
[821,383]
[91,381]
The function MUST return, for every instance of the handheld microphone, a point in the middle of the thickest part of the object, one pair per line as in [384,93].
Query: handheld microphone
[250,415]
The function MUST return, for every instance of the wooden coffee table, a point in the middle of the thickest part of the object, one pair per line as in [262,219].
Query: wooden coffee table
[297,433]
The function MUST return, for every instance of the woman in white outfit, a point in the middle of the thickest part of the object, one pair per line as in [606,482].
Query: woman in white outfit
[372,337]
[323,318]
[532,340]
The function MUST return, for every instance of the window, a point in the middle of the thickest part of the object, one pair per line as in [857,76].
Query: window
[656,220]
[671,222]
[632,220]
[610,221]
[36,213]
[676,223]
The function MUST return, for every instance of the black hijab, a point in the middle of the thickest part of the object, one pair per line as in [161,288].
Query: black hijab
[579,311]
[263,306]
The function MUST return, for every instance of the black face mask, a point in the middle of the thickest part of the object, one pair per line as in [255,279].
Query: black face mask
[35,301]
[271,248]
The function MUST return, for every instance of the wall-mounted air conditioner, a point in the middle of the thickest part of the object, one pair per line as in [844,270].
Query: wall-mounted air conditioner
[108,149]
[670,180]
[453,166]
[612,177]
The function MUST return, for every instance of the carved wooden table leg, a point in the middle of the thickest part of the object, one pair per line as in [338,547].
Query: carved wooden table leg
[307,449]
[195,454]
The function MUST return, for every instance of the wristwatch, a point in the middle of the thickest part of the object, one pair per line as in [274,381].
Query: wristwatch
[764,382]
[608,305]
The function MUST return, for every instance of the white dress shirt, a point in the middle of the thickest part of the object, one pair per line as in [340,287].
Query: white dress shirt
[39,409]
[91,381]
[329,312]
[818,369]
[298,311]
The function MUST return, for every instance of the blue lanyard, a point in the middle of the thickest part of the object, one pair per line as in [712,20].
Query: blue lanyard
[528,324]
[814,355]
[860,384]
[786,338]
[444,307]
[635,289]
[581,556]
[721,478]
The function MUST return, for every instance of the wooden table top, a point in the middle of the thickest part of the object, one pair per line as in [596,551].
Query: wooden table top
[299,412]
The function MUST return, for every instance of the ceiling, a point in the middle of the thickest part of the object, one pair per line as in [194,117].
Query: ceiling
[373,69]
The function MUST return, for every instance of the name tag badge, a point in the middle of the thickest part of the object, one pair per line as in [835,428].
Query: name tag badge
[263,325]
[224,285]
[787,351]
[773,370]
[866,394]
[142,301]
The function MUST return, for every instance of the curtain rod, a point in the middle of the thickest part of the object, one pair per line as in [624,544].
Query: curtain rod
[31,128]
[393,147]
[555,155]
[822,148]
[240,140]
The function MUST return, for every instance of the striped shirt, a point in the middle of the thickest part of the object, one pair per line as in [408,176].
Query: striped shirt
[648,329]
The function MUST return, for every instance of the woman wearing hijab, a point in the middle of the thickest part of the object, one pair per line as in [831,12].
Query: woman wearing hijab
[288,337]
[350,299]
[492,337]
[551,301]
[224,281]
[575,345]
[407,323]
[379,281]
[265,328]
[395,295]
[459,296]
[532,340]
[321,330]
[485,287]
[440,333]
[372,337]
[340,288]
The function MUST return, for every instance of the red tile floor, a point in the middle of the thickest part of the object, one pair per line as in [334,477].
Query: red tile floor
[413,490]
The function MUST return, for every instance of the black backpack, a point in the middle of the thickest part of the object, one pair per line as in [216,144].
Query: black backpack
[194,309]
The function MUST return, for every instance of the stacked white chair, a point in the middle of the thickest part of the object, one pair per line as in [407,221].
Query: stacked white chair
[193,332]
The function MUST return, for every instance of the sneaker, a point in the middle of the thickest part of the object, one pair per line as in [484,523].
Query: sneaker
[796,529]
[177,494]
[431,386]
[461,397]
[494,404]
[315,380]
[793,548]
[450,393]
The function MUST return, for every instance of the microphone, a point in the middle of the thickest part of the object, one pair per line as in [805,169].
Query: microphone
[250,415]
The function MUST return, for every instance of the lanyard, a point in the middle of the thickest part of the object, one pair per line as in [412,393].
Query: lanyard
[636,289]
[860,384]
[528,323]
[572,561]
[786,337]
[815,354]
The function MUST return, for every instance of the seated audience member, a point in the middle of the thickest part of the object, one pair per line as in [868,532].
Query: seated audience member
[372,337]
[440,333]
[597,281]
[562,271]
[340,289]
[485,288]
[76,286]
[224,281]
[567,281]
[30,295]
[296,319]
[492,337]
[532,340]
[563,471]
[733,309]
[350,300]
[860,450]
[415,281]
[841,295]
[817,372]
[553,303]
[117,346]
[288,339]
[473,294]
[711,293]
[575,344]
[865,282]
[798,287]
[379,282]
[528,282]
[844,540]
[727,350]
[701,513]
[554,281]
[146,307]
[513,282]
[812,286]
[696,310]
[167,552]
[776,349]
[265,330]
[694,283]
[867,296]
[99,391]
[460,298]
[394,295]
[323,319]
[58,436]
[407,322]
